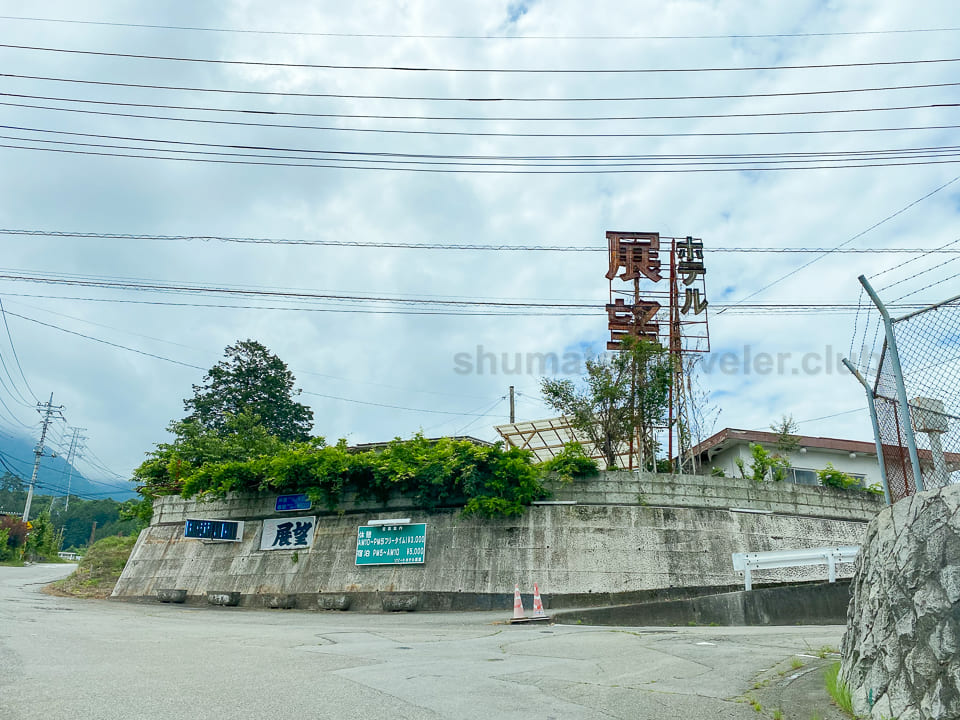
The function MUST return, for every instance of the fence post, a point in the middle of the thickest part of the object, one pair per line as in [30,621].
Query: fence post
[871,403]
[898,377]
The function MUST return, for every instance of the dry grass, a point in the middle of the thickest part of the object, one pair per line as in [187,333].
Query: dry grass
[98,572]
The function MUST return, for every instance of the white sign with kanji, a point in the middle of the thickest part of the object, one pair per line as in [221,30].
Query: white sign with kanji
[289,533]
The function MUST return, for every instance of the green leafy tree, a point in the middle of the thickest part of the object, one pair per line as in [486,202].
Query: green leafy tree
[622,393]
[242,437]
[43,541]
[764,465]
[571,462]
[787,440]
[250,380]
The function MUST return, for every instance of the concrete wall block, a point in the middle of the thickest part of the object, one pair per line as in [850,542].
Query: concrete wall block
[224,598]
[280,601]
[171,595]
[338,601]
[400,602]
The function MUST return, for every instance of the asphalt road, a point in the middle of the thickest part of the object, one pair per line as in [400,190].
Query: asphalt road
[77,659]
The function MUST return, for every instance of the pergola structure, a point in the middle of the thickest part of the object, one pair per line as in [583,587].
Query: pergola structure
[546,438]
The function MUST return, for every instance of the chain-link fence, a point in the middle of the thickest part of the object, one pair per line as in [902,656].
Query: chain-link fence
[920,368]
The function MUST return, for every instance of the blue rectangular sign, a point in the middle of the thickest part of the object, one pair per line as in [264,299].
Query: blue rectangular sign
[230,530]
[292,503]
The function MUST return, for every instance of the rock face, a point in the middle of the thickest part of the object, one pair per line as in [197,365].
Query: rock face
[901,651]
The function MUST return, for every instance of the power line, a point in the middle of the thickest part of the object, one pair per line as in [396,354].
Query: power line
[850,240]
[79,234]
[786,162]
[413,158]
[107,342]
[13,350]
[161,286]
[473,99]
[587,170]
[479,118]
[305,33]
[524,71]
[464,133]
[393,407]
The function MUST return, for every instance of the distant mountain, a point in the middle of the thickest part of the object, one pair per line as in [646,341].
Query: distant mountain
[17,453]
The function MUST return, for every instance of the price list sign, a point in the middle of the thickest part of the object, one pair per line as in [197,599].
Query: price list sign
[391,544]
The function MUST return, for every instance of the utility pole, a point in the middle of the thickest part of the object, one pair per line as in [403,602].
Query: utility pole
[93,533]
[75,442]
[48,410]
[513,414]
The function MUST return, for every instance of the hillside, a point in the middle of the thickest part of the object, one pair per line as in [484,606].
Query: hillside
[54,471]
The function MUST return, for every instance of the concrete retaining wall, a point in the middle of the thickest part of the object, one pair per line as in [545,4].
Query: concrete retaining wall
[707,491]
[814,604]
[614,551]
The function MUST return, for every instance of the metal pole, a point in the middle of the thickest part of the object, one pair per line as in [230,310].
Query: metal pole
[38,453]
[871,403]
[898,377]
[513,414]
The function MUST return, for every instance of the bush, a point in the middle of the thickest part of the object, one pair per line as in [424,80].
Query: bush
[832,477]
[488,481]
[571,462]
[100,568]
[764,465]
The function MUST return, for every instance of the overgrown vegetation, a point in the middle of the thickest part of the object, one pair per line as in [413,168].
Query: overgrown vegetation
[764,465]
[487,481]
[620,392]
[831,477]
[570,463]
[787,440]
[55,527]
[100,568]
[838,689]
[231,448]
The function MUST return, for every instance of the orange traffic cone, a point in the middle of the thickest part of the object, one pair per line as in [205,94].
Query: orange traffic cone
[537,603]
[517,604]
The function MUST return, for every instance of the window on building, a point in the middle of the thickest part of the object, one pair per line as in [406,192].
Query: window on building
[803,476]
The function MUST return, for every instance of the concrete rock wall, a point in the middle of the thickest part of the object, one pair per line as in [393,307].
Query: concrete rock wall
[901,651]
[578,554]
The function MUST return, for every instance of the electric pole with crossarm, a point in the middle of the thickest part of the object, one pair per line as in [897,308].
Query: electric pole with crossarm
[49,411]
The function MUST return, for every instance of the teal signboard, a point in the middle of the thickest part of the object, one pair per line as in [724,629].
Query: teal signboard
[391,544]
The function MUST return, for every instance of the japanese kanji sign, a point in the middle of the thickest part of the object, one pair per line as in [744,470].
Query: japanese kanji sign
[690,269]
[391,544]
[288,533]
[635,258]
[636,254]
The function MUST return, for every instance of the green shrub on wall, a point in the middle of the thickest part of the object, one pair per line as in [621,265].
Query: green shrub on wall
[487,481]
[571,462]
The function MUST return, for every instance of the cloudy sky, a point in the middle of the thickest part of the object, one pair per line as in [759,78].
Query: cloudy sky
[266,121]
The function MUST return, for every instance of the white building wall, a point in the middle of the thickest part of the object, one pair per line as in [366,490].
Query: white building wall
[813,459]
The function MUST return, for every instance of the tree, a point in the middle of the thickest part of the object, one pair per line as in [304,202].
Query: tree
[787,441]
[624,392]
[255,381]
[242,437]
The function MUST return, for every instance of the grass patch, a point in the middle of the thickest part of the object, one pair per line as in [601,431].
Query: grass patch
[98,572]
[796,663]
[838,689]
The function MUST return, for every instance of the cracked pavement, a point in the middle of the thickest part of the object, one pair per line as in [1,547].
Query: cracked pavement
[77,659]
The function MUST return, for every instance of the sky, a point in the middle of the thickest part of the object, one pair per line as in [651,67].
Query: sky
[120,328]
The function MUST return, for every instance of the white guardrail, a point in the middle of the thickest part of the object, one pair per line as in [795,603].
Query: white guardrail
[829,556]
